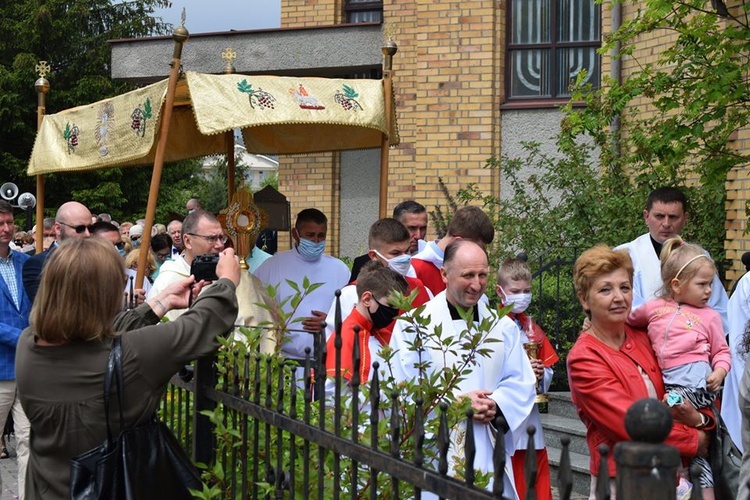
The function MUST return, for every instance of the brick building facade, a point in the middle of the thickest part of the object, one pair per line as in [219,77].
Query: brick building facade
[452,102]
[458,101]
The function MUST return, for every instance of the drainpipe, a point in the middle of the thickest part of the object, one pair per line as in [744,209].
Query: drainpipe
[615,73]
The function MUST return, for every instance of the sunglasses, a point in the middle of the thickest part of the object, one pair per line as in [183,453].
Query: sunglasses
[79,229]
[120,245]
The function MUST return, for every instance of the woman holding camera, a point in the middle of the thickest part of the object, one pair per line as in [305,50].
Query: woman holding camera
[62,356]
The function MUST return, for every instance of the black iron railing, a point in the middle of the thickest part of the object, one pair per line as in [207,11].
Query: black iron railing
[252,420]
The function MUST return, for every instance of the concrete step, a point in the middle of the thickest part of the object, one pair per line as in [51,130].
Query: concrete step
[562,420]
[555,427]
[579,465]
[561,404]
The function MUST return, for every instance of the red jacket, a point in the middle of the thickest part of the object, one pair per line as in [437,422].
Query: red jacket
[605,382]
[430,275]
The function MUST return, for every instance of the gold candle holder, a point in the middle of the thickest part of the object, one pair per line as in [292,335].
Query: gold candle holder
[532,351]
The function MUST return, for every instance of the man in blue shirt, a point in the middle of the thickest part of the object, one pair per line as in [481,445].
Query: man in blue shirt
[14,317]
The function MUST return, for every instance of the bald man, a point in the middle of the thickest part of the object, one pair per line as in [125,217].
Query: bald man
[193,205]
[501,380]
[73,220]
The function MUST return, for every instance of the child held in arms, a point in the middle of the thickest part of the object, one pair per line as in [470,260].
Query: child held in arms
[514,289]
[687,336]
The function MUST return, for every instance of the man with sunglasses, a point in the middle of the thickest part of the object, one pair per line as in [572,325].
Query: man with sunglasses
[201,234]
[110,232]
[73,220]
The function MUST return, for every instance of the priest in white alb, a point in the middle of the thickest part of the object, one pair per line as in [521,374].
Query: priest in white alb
[502,382]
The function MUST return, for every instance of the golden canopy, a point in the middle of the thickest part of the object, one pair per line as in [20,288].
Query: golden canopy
[277,115]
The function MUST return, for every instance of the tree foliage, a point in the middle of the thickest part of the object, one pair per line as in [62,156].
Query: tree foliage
[671,121]
[593,189]
[72,35]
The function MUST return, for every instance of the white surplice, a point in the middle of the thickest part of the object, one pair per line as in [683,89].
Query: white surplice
[739,315]
[506,372]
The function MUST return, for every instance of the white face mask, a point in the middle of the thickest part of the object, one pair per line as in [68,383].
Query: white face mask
[520,301]
[400,264]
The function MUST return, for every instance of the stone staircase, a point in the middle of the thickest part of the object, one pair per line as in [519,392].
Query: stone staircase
[561,420]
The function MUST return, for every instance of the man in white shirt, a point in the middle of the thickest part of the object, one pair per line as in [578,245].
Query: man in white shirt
[174,230]
[305,260]
[665,215]
[201,234]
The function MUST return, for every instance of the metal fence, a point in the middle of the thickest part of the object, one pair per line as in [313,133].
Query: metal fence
[263,439]
[555,306]
[262,436]
[254,424]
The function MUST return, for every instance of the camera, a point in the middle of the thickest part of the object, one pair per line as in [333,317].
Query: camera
[204,267]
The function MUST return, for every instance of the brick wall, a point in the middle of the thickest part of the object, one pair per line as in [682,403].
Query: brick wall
[312,181]
[302,13]
[448,92]
[448,80]
[738,194]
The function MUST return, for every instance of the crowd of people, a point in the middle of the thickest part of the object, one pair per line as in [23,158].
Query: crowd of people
[657,324]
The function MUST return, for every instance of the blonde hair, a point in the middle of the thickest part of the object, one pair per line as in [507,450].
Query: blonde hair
[80,292]
[131,261]
[596,261]
[680,260]
[513,270]
[127,244]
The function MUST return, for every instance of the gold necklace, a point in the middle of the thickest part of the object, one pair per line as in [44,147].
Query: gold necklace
[606,340]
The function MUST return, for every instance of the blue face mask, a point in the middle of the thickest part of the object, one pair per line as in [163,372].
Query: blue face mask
[309,250]
[121,251]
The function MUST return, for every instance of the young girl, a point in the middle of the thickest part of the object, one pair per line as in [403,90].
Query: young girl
[686,335]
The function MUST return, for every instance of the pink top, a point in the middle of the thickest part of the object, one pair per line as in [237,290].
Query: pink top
[682,334]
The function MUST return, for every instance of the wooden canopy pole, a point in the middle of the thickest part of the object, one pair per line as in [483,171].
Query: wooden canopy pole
[389,49]
[180,36]
[229,55]
[230,166]
[42,87]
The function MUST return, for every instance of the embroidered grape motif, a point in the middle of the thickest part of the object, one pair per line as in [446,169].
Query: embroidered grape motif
[258,97]
[347,99]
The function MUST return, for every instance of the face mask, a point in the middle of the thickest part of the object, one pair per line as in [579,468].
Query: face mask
[309,250]
[121,251]
[382,316]
[520,301]
[400,264]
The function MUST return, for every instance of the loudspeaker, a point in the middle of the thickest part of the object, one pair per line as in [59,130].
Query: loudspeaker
[26,200]
[9,191]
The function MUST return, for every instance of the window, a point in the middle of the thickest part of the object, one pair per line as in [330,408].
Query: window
[549,43]
[364,11]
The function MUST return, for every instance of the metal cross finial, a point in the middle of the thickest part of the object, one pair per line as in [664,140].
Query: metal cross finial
[229,55]
[42,68]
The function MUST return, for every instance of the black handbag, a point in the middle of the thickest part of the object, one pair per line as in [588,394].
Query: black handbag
[725,460]
[144,462]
